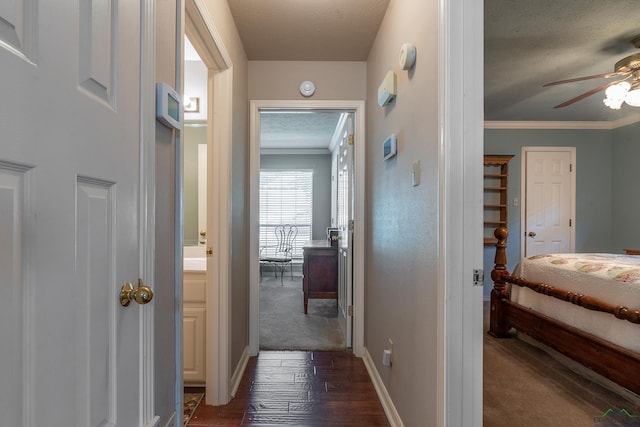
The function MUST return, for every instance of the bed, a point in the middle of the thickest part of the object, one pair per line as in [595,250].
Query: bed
[585,306]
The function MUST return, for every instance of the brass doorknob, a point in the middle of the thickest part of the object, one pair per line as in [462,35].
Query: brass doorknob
[141,294]
[532,234]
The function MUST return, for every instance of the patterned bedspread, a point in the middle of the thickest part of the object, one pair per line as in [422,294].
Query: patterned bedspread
[621,268]
[612,278]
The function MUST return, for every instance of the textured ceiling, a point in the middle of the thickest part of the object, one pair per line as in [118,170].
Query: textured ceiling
[302,129]
[530,43]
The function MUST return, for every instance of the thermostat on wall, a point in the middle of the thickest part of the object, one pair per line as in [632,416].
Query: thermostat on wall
[390,147]
[168,106]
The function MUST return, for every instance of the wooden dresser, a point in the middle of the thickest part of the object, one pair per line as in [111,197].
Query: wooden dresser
[319,271]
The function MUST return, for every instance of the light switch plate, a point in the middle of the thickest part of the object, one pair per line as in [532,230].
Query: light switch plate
[415,173]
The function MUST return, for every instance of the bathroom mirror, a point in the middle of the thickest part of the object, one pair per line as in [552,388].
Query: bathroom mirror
[195,181]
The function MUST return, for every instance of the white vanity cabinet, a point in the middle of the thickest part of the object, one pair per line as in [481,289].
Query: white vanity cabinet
[193,327]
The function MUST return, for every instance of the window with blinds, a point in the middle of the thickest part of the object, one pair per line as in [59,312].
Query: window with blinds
[286,197]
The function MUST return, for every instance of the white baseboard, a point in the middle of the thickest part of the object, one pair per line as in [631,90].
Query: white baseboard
[387,404]
[170,423]
[239,371]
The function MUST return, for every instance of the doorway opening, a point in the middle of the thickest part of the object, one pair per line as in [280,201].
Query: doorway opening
[301,186]
[329,322]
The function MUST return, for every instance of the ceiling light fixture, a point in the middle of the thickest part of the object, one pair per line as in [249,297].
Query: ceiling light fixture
[621,92]
[616,94]
[633,96]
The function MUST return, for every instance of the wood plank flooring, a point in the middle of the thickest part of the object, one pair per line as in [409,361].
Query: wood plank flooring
[300,388]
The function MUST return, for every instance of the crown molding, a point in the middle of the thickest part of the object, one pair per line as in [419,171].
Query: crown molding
[281,151]
[605,125]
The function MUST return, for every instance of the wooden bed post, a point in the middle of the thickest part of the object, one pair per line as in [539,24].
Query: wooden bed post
[497,325]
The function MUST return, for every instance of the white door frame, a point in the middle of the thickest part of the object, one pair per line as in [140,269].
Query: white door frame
[206,39]
[254,213]
[460,306]
[147,209]
[523,189]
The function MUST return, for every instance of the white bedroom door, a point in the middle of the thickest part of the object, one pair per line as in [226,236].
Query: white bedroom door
[345,216]
[549,183]
[69,214]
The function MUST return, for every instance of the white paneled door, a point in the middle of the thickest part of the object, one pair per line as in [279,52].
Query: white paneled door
[345,216]
[549,183]
[69,213]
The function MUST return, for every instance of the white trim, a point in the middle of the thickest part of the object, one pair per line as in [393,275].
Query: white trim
[204,36]
[305,151]
[178,228]
[218,324]
[236,378]
[146,365]
[606,125]
[523,192]
[460,110]
[171,422]
[254,170]
[385,399]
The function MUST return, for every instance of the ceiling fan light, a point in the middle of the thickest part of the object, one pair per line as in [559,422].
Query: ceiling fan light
[618,91]
[615,95]
[633,98]
[614,104]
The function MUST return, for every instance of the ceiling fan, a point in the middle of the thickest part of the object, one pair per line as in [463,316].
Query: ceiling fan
[626,89]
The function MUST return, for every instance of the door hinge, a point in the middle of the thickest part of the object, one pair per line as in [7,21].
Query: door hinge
[351,139]
[569,222]
[478,277]
[209,252]
[350,310]
[570,167]
[351,225]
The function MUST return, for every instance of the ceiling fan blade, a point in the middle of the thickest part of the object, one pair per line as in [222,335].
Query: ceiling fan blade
[597,76]
[587,94]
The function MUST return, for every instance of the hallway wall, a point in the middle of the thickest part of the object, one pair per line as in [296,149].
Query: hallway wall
[221,15]
[280,80]
[402,220]
[164,300]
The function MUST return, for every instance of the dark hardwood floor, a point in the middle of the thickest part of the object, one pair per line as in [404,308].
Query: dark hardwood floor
[300,388]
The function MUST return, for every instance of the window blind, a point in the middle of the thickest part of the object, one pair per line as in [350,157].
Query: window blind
[286,197]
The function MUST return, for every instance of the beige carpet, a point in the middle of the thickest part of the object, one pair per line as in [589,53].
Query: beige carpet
[283,324]
[524,386]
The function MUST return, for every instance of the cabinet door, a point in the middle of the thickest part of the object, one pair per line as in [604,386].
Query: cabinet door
[193,344]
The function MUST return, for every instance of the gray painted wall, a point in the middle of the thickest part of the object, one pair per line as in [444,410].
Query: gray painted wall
[595,182]
[164,300]
[625,189]
[402,230]
[321,165]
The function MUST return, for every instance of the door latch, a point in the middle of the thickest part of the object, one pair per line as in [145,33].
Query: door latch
[478,277]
